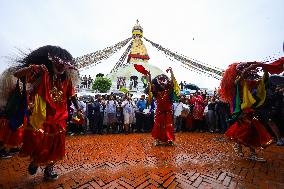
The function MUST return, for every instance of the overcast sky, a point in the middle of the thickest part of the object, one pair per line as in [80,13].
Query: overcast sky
[217,32]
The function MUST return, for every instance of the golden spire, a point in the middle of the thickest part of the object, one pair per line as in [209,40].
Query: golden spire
[137,30]
[138,52]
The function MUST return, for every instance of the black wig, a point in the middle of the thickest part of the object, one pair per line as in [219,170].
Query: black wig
[40,56]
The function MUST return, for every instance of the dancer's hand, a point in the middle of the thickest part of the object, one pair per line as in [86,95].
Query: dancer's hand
[172,74]
[169,69]
[30,71]
[23,72]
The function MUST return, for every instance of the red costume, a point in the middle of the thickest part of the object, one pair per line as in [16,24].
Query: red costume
[246,128]
[249,132]
[13,116]
[50,71]
[198,108]
[47,143]
[163,125]
[10,138]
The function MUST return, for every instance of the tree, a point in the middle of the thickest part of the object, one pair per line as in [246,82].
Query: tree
[102,84]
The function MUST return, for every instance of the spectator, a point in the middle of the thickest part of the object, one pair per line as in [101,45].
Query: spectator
[181,85]
[198,111]
[119,117]
[111,113]
[211,116]
[127,110]
[177,116]
[98,115]
[222,113]
[140,117]
[90,114]
[90,81]
[85,81]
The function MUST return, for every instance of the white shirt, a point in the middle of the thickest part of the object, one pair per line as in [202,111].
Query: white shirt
[178,109]
[110,106]
[82,106]
[127,107]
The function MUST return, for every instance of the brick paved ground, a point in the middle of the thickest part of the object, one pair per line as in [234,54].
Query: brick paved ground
[197,160]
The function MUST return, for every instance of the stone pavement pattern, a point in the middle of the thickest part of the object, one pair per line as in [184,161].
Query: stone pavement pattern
[198,160]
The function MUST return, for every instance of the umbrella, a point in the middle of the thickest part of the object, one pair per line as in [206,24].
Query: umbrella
[133,77]
[184,92]
[191,86]
[100,75]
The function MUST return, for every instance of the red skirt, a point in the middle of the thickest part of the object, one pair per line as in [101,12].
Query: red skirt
[163,127]
[46,145]
[251,134]
[10,138]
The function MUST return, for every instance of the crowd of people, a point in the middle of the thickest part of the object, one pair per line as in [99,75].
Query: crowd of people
[111,114]
[86,82]
[197,112]
[105,114]
[120,82]
[200,112]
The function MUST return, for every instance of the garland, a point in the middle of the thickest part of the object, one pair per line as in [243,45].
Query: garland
[94,58]
[201,68]
[190,68]
[121,60]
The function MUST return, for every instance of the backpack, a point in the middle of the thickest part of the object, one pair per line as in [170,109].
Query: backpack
[17,106]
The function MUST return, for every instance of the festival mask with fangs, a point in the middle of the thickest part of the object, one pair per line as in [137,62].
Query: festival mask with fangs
[249,70]
[161,82]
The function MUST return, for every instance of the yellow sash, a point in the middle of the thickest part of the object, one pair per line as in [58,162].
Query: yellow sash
[248,99]
[39,113]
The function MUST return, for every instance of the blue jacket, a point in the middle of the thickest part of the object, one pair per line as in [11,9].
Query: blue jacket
[141,105]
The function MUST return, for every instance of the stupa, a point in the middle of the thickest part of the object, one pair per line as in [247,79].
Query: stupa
[127,75]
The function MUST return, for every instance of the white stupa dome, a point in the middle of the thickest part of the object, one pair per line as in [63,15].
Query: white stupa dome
[129,71]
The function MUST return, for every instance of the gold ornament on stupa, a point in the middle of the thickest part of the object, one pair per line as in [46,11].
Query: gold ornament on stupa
[138,52]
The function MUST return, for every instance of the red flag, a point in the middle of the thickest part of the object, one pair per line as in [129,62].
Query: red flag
[275,67]
[141,69]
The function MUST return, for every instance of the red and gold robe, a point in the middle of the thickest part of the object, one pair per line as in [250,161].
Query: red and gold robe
[163,124]
[44,136]
[198,109]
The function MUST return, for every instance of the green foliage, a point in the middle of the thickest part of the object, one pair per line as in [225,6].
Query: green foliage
[102,84]
[124,90]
